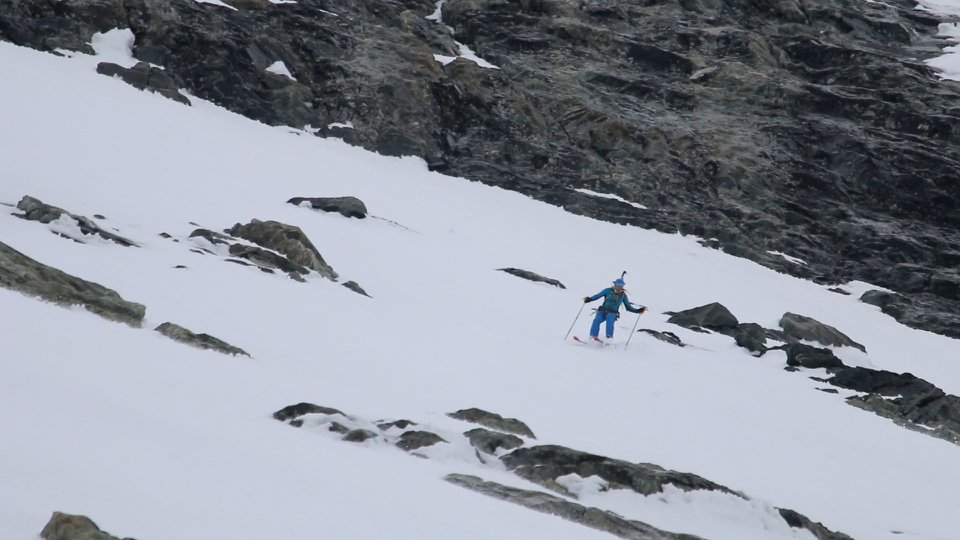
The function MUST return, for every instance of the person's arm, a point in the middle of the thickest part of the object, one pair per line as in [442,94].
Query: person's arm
[629,306]
[596,296]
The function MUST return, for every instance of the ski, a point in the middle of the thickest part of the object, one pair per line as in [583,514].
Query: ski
[588,342]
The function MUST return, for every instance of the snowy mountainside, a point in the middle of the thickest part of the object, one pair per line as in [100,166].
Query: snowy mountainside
[155,439]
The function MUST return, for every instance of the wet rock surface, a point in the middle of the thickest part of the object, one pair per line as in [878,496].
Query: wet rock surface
[28,276]
[201,341]
[811,129]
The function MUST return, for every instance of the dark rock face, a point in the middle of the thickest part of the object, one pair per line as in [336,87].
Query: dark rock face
[347,206]
[292,412]
[355,287]
[713,316]
[413,440]
[490,441]
[799,521]
[73,527]
[268,260]
[800,355]
[25,275]
[594,518]
[532,276]
[287,240]
[35,210]
[544,464]
[202,341]
[145,77]
[493,421]
[802,128]
[798,327]
[751,336]
[666,337]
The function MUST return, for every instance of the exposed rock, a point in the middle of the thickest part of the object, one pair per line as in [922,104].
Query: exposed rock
[25,275]
[808,356]
[594,518]
[359,435]
[347,206]
[202,341]
[355,287]
[786,128]
[667,337]
[751,336]
[490,441]
[145,77]
[799,521]
[213,237]
[493,421]
[526,274]
[35,210]
[73,527]
[399,424]
[544,464]
[269,260]
[287,240]
[291,412]
[412,440]
[713,316]
[797,327]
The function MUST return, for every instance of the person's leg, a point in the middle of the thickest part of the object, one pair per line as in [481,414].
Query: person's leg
[611,318]
[595,327]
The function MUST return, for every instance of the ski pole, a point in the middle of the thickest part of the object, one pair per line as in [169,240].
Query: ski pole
[574,321]
[632,332]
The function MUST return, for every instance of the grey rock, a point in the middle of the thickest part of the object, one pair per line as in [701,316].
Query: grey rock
[287,240]
[201,341]
[799,521]
[493,421]
[797,327]
[359,435]
[35,210]
[667,337]
[73,527]
[594,518]
[291,412]
[413,440]
[212,236]
[25,275]
[490,441]
[544,464]
[355,287]
[399,424]
[808,356]
[751,336]
[713,316]
[268,260]
[145,77]
[347,206]
[532,276]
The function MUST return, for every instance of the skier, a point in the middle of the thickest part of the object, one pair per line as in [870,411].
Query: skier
[609,311]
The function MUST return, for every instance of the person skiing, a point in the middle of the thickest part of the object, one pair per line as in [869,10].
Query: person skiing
[609,311]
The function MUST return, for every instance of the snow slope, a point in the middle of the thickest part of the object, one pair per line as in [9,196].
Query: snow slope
[157,440]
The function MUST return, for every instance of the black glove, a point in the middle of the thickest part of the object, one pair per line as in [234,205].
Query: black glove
[642,310]
[586,299]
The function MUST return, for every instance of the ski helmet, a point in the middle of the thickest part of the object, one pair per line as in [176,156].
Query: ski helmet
[619,282]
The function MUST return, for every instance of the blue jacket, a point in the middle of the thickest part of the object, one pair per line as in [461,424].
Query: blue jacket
[613,300]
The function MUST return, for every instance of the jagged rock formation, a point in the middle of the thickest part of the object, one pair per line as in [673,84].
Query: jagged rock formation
[25,275]
[202,341]
[73,527]
[802,127]
[145,77]
[532,276]
[493,421]
[346,206]
[287,240]
[602,520]
[36,210]
[798,327]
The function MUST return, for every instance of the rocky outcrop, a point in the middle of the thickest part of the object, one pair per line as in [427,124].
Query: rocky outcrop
[532,276]
[799,521]
[601,520]
[711,316]
[808,356]
[797,327]
[25,275]
[73,527]
[810,129]
[35,210]
[346,206]
[413,440]
[666,337]
[287,240]
[493,421]
[355,287]
[201,341]
[145,77]
[490,442]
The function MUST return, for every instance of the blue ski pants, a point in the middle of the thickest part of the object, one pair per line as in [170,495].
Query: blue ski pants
[603,316]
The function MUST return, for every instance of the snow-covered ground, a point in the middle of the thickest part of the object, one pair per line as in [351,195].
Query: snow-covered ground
[156,440]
